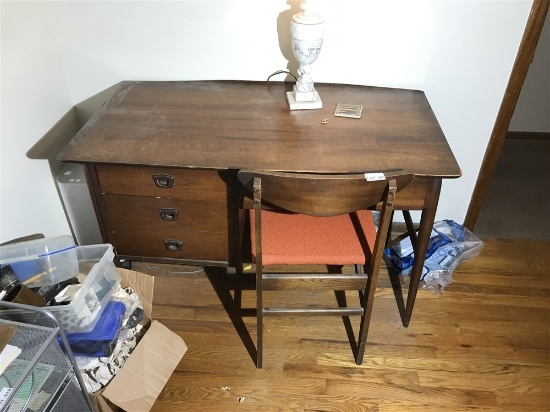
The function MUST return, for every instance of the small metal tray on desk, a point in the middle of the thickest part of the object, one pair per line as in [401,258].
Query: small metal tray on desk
[43,377]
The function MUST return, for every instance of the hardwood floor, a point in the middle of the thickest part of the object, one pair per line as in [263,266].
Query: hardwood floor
[483,345]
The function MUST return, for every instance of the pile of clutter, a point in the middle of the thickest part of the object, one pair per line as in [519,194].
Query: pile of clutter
[81,286]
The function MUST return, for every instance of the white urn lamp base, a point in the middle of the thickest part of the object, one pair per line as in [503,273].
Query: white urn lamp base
[314,103]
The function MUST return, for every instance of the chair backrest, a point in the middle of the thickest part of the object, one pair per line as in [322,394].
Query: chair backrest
[322,194]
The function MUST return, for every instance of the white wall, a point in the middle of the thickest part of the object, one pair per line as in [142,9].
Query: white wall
[57,54]
[532,113]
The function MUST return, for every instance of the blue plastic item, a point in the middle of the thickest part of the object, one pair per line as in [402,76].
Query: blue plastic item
[101,340]
[449,245]
[401,255]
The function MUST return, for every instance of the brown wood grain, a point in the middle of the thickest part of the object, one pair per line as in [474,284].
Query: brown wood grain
[188,184]
[143,212]
[217,124]
[149,242]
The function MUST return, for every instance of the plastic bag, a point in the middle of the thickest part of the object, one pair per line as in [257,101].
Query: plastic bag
[450,244]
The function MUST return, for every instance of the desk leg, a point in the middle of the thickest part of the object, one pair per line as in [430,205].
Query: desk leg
[424,232]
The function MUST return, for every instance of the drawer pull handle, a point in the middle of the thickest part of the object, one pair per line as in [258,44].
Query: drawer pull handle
[173,245]
[164,181]
[169,214]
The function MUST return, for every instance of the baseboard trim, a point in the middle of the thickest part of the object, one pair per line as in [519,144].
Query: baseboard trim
[528,135]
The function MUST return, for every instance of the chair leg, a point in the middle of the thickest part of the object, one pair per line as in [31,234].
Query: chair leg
[410,228]
[368,298]
[390,228]
[259,317]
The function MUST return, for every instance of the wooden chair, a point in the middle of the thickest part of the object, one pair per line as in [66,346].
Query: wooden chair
[311,219]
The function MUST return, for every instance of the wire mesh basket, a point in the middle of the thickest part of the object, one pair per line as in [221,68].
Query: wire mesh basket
[42,377]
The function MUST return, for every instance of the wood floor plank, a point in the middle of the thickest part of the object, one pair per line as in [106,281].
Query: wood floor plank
[489,290]
[238,383]
[446,312]
[475,298]
[513,378]
[523,401]
[429,367]
[408,406]
[502,354]
[419,394]
[251,401]
[381,376]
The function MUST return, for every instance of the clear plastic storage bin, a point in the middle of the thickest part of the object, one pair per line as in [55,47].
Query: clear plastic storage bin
[100,279]
[48,260]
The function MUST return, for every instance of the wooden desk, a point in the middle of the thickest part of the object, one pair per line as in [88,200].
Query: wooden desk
[162,158]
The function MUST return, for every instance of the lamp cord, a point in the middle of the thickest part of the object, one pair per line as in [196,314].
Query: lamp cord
[281,72]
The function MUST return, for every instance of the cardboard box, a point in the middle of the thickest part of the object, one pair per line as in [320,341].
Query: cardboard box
[138,384]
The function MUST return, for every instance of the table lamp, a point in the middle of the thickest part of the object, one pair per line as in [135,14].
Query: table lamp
[307,29]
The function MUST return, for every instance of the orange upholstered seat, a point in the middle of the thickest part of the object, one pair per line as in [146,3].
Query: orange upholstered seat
[296,239]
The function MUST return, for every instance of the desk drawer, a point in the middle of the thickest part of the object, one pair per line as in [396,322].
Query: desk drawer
[151,212]
[175,244]
[189,184]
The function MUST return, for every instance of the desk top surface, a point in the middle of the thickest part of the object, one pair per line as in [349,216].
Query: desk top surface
[238,124]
